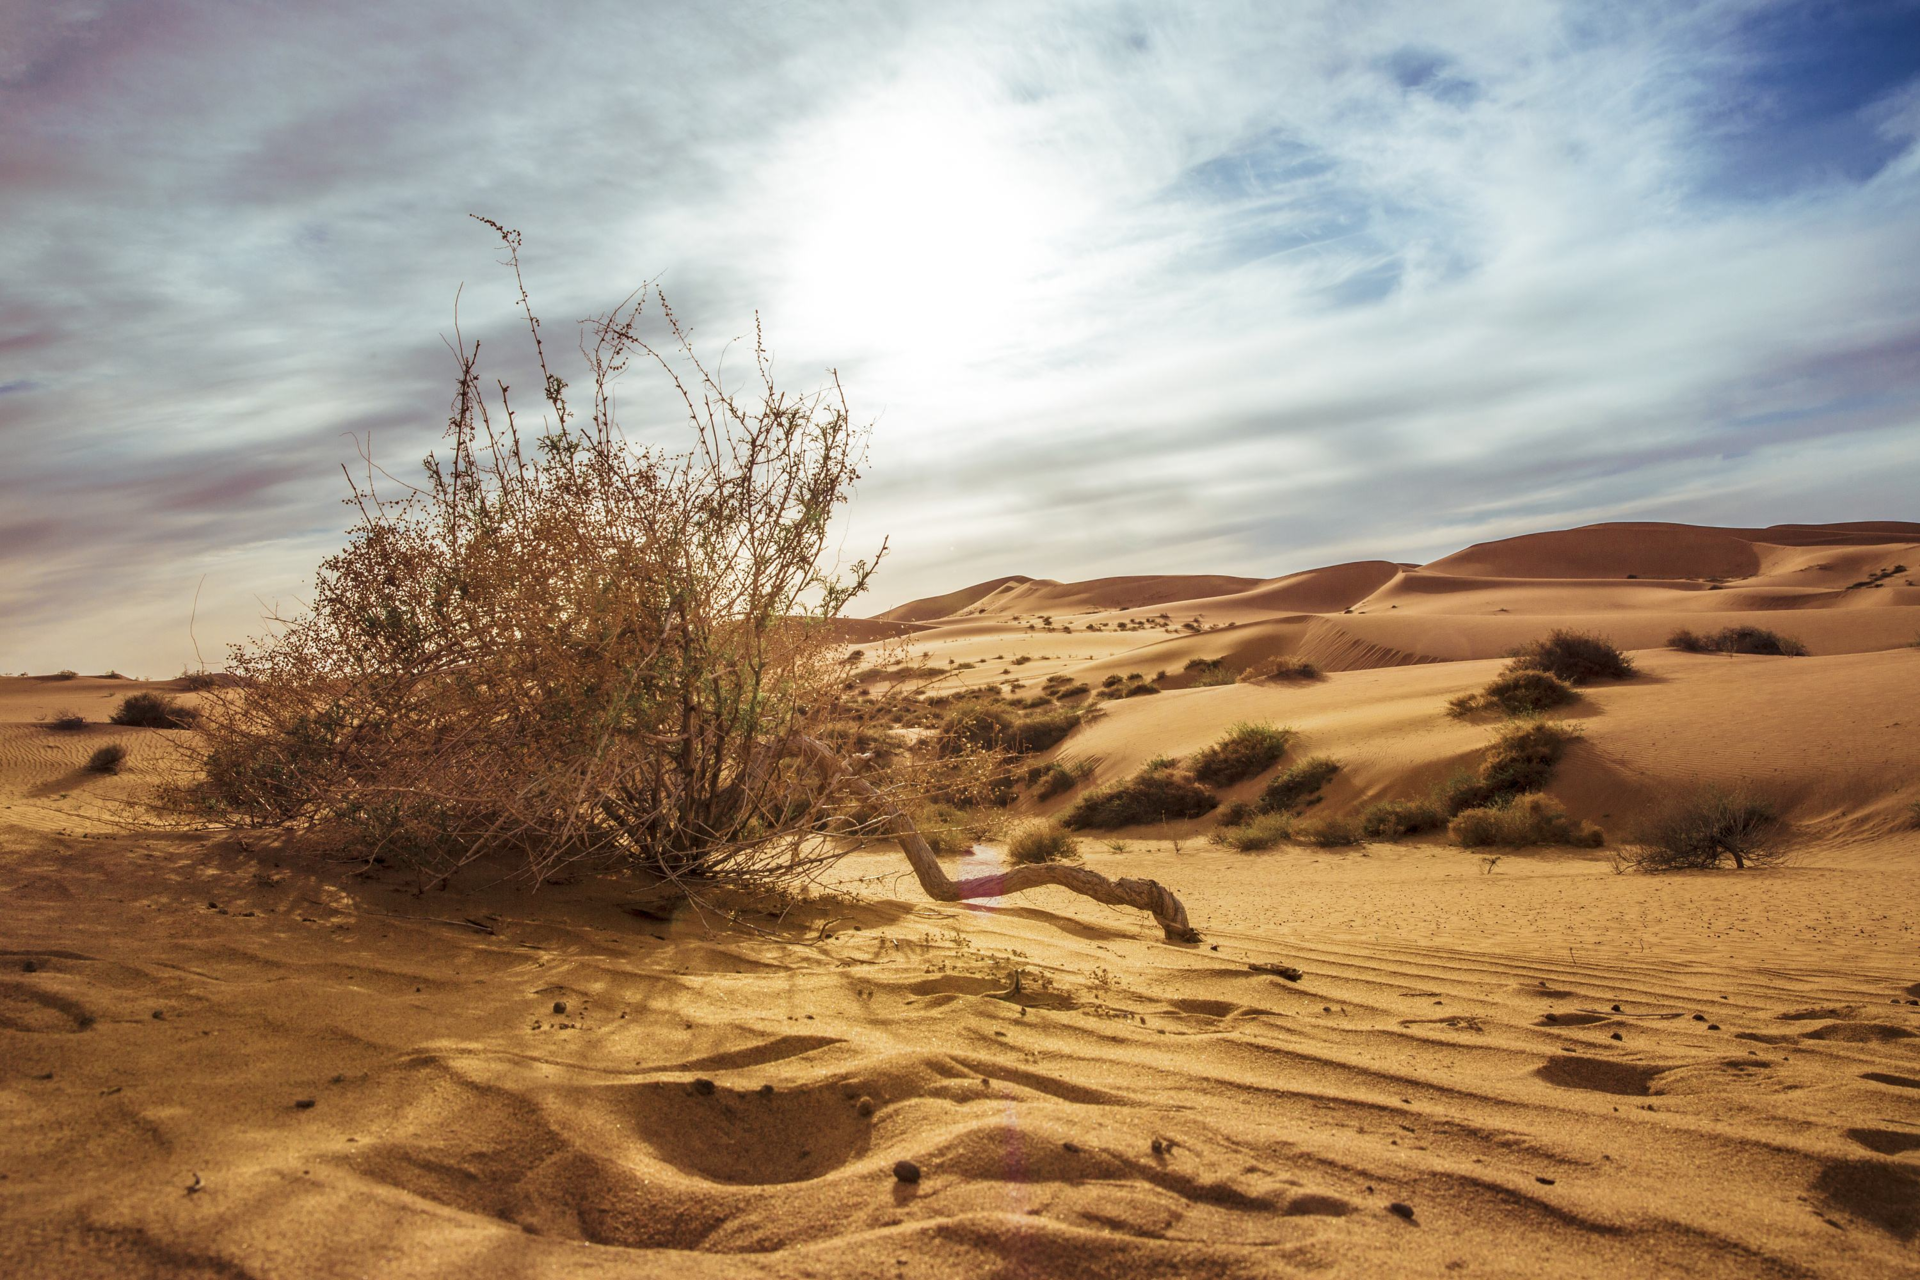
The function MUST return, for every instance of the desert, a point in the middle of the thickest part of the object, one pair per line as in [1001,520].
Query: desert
[224,1057]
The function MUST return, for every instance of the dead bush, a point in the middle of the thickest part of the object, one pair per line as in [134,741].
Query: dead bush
[1282,668]
[1299,786]
[1706,827]
[1529,820]
[107,759]
[66,720]
[1573,656]
[1247,749]
[1255,832]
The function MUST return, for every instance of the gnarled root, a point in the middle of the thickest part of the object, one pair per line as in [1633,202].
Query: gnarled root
[1146,895]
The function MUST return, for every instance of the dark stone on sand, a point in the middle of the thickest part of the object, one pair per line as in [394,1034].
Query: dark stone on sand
[1401,1210]
[1618,1036]
[1699,1017]
[1545,1182]
[303,1104]
[559,1006]
[766,1091]
[1713,1026]
[159,1015]
[28,967]
[703,1087]
[864,1106]
[906,1171]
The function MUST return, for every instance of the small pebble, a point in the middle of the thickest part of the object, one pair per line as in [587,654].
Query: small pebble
[1618,1036]
[864,1106]
[1713,1026]
[703,1087]
[29,967]
[1159,1147]
[1545,1182]
[766,1091]
[559,1006]
[1400,1210]
[1699,1017]
[1068,1146]
[159,1016]
[303,1104]
[906,1171]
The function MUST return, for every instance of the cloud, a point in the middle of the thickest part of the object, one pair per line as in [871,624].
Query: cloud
[1225,288]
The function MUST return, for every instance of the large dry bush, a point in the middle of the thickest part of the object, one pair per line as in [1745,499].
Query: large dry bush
[1705,827]
[565,645]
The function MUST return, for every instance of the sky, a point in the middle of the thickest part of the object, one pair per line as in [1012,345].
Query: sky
[1121,287]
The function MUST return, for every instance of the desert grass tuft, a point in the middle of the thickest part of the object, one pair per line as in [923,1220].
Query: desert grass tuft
[1327,832]
[1573,656]
[1041,840]
[1282,668]
[1743,639]
[66,720]
[1255,832]
[1392,819]
[1528,820]
[107,759]
[1248,748]
[1160,792]
[1516,692]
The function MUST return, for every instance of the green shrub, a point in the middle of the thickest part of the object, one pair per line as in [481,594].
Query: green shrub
[1207,672]
[1391,819]
[1741,639]
[1247,749]
[107,759]
[1257,831]
[1158,793]
[154,711]
[1702,828]
[1327,832]
[1057,777]
[1573,656]
[1529,820]
[1526,692]
[1042,840]
[1240,812]
[1298,786]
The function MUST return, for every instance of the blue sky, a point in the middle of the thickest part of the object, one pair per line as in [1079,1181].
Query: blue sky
[1123,288]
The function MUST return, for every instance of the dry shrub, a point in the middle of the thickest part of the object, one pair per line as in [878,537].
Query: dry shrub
[948,829]
[1057,777]
[1521,759]
[1161,792]
[570,647]
[1298,786]
[66,674]
[1247,749]
[1210,672]
[1706,827]
[196,681]
[1741,639]
[153,711]
[67,720]
[1137,690]
[1282,668]
[1042,840]
[107,759]
[1327,832]
[1573,656]
[1391,819]
[1529,820]
[982,726]
[1255,831]
[1516,692]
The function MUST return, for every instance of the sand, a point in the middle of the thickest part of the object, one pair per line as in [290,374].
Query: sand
[225,1058]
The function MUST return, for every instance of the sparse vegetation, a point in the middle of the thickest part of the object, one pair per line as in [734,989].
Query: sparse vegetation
[1516,692]
[1057,777]
[1527,820]
[154,711]
[1743,639]
[1327,832]
[1707,827]
[1255,831]
[1521,759]
[198,680]
[1282,668]
[1392,819]
[1042,840]
[982,726]
[1246,750]
[1209,672]
[107,759]
[66,674]
[1161,792]
[66,720]
[1299,786]
[1574,657]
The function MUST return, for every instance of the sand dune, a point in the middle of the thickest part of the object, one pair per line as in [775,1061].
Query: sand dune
[220,1057]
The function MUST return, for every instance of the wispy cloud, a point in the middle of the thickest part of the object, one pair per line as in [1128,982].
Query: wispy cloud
[1230,288]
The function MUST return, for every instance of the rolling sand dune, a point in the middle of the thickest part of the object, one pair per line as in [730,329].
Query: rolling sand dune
[223,1058]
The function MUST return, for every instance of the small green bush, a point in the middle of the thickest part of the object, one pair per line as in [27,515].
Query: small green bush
[1703,828]
[1391,819]
[1574,656]
[1299,786]
[1738,640]
[107,759]
[1158,793]
[947,829]
[154,711]
[1247,749]
[1258,831]
[1327,832]
[1042,840]
[1529,820]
